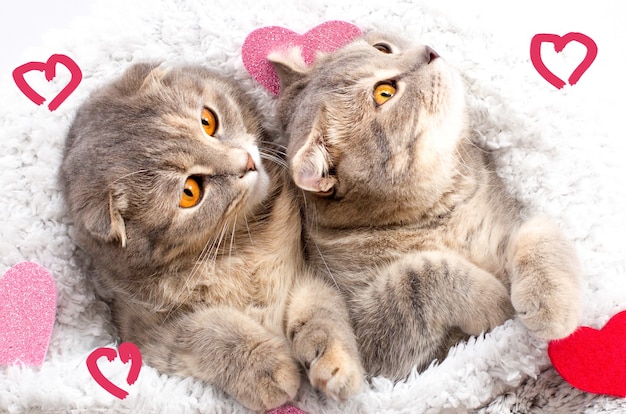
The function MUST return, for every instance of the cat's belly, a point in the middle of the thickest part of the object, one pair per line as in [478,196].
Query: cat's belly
[480,241]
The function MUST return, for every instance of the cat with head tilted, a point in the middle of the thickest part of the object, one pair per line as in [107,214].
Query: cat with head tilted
[184,210]
[405,214]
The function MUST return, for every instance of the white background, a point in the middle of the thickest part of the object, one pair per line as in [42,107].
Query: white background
[23,24]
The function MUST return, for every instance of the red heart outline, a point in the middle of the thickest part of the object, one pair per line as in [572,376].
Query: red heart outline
[127,352]
[594,360]
[325,37]
[559,44]
[49,69]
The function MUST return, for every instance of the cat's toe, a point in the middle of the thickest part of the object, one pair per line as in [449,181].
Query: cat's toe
[274,380]
[551,314]
[279,387]
[337,373]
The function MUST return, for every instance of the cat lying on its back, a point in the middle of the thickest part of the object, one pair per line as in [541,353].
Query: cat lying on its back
[197,242]
[405,214]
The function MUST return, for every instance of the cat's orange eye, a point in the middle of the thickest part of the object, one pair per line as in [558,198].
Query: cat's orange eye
[383,92]
[209,121]
[381,47]
[192,193]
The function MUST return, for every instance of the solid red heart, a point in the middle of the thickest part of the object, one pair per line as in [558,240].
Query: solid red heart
[559,44]
[594,360]
[127,352]
[261,42]
[49,69]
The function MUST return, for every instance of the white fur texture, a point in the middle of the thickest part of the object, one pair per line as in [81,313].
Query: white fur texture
[561,151]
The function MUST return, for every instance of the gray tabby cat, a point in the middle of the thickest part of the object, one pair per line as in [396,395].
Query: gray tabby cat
[197,242]
[405,214]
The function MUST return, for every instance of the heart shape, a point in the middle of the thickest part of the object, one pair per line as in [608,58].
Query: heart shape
[261,42]
[127,352]
[594,360]
[286,409]
[559,44]
[28,300]
[49,69]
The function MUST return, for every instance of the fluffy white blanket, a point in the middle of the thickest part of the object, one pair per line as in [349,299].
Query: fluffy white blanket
[560,151]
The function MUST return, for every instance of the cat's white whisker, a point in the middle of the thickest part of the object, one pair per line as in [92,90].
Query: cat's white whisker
[232,242]
[208,254]
[143,171]
[245,220]
[273,145]
[275,156]
[328,271]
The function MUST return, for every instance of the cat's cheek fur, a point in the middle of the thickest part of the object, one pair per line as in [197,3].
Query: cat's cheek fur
[447,120]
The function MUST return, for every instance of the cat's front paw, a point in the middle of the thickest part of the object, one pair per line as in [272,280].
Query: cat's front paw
[491,305]
[550,311]
[545,288]
[337,372]
[271,377]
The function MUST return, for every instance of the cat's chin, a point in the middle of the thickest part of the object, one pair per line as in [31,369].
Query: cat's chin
[257,183]
[258,187]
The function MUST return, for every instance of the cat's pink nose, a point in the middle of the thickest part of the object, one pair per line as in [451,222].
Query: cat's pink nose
[250,165]
[431,54]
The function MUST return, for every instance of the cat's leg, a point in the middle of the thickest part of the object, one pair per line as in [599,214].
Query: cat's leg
[404,317]
[225,348]
[545,280]
[322,339]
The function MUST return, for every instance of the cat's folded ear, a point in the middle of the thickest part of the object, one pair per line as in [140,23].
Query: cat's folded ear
[140,76]
[134,77]
[105,221]
[312,163]
[289,65]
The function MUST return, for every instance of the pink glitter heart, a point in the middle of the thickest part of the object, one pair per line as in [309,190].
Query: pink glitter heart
[286,409]
[261,42]
[28,300]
